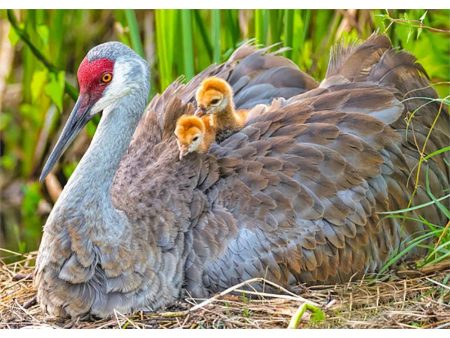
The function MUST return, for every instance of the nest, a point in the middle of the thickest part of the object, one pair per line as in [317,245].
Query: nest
[404,299]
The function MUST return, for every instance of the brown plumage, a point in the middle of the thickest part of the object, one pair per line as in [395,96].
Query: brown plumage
[294,196]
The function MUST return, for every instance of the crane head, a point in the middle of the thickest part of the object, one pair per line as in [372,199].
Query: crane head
[109,72]
[213,96]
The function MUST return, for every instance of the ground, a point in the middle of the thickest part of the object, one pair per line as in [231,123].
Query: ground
[401,299]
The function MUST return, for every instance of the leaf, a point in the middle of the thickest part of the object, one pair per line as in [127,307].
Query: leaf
[4,121]
[55,89]
[37,83]
[43,32]
[419,31]
[423,16]
[410,32]
[30,112]
[91,127]
[22,246]
[12,36]
[317,315]
[31,198]
[69,168]
[7,162]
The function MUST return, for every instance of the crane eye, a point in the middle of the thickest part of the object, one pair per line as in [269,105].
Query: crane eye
[215,101]
[106,78]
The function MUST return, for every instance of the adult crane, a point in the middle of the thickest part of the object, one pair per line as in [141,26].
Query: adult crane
[295,196]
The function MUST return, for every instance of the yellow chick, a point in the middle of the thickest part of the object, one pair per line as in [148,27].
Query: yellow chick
[215,116]
[194,134]
[215,99]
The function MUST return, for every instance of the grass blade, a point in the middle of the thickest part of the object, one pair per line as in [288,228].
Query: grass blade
[443,209]
[135,36]
[215,35]
[415,207]
[188,50]
[288,33]
[165,21]
[203,33]
[232,25]
[437,152]
[275,24]
[261,25]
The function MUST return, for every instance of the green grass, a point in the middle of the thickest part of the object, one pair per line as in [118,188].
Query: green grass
[135,37]
[436,238]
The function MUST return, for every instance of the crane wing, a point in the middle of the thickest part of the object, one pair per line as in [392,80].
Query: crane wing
[300,188]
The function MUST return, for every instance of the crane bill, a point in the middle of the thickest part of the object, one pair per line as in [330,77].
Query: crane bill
[78,118]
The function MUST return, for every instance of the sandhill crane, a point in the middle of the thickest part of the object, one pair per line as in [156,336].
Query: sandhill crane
[294,196]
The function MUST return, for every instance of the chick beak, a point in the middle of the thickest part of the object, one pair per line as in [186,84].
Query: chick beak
[184,150]
[200,112]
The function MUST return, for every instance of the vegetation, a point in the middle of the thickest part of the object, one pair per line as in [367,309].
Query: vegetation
[41,49]
[414,299]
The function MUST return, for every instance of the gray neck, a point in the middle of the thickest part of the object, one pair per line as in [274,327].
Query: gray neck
[90,184]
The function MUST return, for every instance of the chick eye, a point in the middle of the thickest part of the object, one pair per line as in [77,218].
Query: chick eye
[195,138]
[106,78]
[215,101]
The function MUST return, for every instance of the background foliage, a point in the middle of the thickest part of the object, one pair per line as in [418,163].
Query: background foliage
[40,51]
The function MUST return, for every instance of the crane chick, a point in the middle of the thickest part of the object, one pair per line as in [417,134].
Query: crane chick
[194,134]
[215,99]
[215,116]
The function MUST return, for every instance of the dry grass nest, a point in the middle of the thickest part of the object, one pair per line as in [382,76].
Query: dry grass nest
[402,299]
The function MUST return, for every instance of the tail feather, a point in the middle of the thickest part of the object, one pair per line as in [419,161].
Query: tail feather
[400,70]
[416,109]
[376,62]
[354,62]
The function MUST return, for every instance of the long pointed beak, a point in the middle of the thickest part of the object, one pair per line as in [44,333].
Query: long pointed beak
[78,118]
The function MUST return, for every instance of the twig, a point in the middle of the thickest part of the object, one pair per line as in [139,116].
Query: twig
[223,293]
[68,88]
[21,276]
[435,267]
[30,303]
[13,252]
[127,320]
[238,286]
[443,326]
[437,283]
[265,294]
[417,24]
